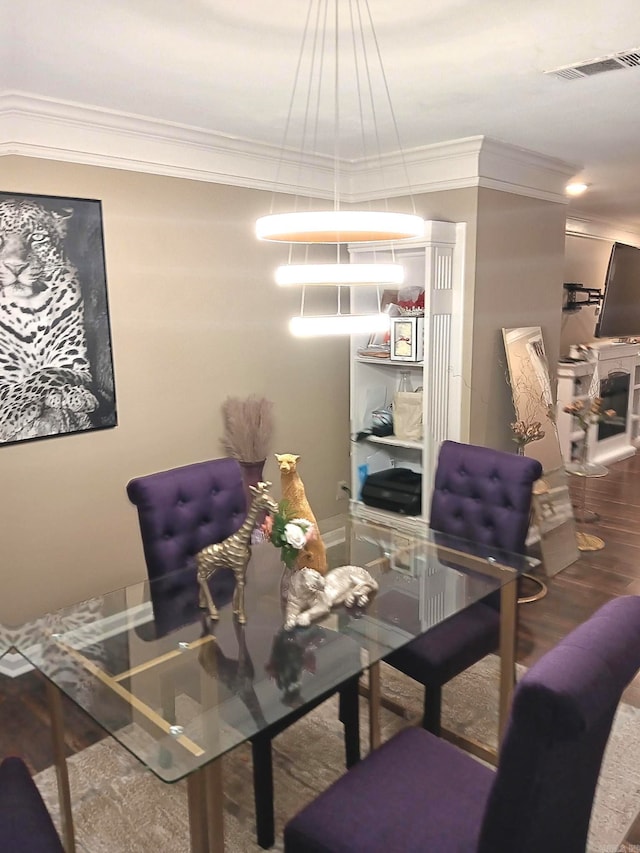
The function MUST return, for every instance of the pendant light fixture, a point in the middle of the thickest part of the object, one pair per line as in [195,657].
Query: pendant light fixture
[344,41]
[338,226]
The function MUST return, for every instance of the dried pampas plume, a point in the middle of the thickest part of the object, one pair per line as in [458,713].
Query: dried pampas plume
[248,427]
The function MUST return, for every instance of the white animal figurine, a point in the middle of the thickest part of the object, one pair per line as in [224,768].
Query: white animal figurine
[311,596]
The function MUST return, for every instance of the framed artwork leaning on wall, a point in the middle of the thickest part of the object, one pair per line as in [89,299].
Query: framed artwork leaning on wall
[56,364]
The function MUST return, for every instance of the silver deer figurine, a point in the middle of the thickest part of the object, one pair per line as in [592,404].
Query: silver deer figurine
[234,553]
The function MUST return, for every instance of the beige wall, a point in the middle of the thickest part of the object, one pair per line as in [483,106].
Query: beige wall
[195,317]
[513,277]
[518,282]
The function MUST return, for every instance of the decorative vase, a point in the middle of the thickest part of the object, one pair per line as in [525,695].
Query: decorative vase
[251,475]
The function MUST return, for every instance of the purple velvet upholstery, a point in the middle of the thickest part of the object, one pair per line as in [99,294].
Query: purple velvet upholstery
[181,511]
[391,802]
[560,722]
[25,824]
[482,495]
[418,793]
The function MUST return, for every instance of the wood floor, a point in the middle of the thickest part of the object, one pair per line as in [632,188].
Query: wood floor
[573,596]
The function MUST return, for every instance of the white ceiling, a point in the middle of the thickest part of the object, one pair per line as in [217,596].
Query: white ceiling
[455,68]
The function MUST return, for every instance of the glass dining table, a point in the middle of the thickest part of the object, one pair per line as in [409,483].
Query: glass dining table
[178,690]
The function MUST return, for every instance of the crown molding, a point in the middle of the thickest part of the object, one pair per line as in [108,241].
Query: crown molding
[34,126]
[599,229]
[475,161]
[518,170]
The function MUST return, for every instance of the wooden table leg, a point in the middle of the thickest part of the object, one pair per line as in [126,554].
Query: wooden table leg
[212,772]
[374,705]
[215,805]
[62,774]
[508,605]
[197,800]
[206,824]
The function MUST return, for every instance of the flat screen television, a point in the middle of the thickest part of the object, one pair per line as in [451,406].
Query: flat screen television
[620,312]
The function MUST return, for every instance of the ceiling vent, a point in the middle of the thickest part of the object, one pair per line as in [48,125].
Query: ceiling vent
[628,59]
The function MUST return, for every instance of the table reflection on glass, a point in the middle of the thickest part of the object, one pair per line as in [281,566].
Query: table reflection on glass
[179,701]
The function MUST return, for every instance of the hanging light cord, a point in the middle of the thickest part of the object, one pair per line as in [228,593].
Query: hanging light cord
[390,104]
[287,124]
[313,47]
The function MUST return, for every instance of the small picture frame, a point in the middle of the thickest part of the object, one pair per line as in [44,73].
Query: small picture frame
[407,338]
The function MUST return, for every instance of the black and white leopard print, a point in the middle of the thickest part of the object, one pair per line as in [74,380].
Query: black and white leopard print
[80,626]
[44,369]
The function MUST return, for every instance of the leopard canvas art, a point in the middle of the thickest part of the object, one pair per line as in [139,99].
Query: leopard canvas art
[56,371]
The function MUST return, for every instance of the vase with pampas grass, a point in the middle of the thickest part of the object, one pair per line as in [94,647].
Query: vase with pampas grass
[248,429]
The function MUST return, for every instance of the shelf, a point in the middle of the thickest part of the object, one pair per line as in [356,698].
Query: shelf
[395,442]
[404,523]
[363,359]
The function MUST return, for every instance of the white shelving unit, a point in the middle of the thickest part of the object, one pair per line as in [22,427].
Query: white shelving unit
[435,264]
[581,381]
[575,381]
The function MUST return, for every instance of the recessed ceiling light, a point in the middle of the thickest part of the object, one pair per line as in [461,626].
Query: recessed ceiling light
[575,188]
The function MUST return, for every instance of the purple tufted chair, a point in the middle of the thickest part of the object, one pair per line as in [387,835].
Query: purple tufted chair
[25,823]
[482,495]
[181,511]
[419,793]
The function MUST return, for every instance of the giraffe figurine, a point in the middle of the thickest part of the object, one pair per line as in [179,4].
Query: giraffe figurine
[234,552]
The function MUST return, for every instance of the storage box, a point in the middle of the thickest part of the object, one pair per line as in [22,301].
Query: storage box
[407,338]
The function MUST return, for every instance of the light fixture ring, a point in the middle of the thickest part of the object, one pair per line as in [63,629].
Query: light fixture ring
[339,226]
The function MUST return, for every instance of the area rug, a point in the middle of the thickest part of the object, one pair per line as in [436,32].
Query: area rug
[119,806]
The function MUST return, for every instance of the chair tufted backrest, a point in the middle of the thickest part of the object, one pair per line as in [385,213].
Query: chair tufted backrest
[483,495]
[562,712]
[181,511]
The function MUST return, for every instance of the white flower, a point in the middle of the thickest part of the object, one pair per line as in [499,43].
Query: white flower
[295,535]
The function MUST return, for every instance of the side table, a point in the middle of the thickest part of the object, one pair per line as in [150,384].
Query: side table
[587,541]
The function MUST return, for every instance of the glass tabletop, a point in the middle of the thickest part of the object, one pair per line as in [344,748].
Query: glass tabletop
[9,636]
[177,689]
